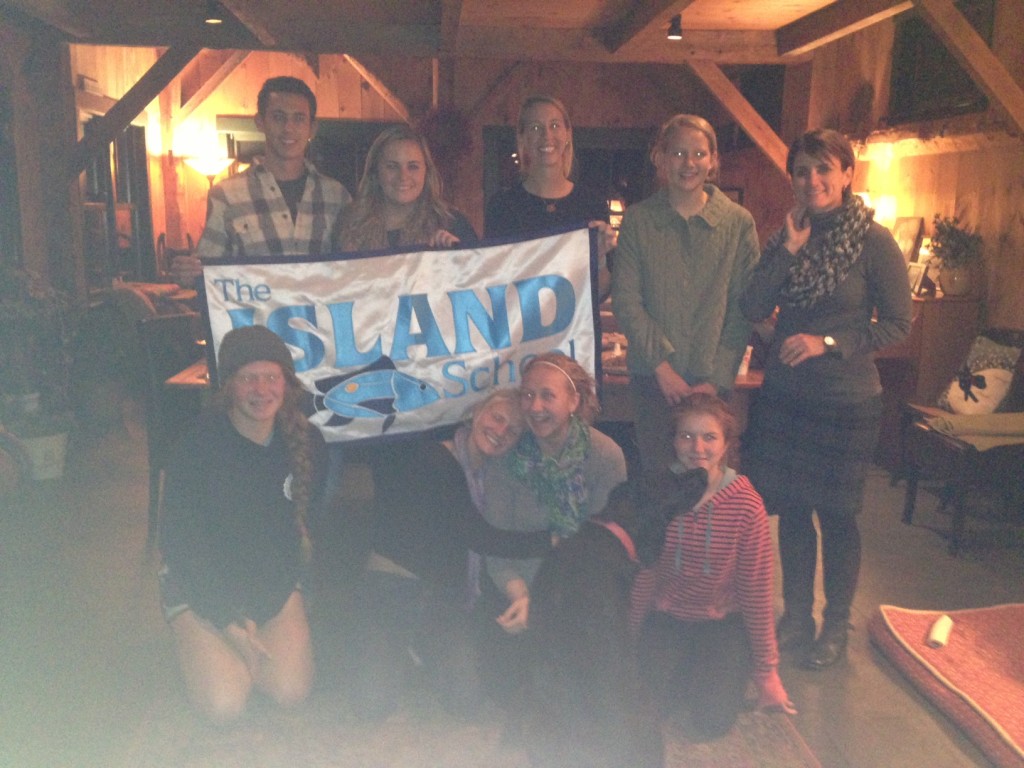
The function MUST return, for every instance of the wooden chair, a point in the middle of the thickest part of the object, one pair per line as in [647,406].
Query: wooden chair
[168,345]
[927,452]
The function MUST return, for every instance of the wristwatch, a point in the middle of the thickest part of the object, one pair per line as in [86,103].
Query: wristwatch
[831,347]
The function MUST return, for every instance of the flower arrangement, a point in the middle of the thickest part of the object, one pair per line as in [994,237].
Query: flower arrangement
[954,245]
[37,324]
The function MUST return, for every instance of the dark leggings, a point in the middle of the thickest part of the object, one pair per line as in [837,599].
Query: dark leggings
[840,555]
[704,665]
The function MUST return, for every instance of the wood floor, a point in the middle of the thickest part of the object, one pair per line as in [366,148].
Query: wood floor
[84,651]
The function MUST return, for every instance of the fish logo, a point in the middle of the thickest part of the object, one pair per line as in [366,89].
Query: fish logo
[374,392]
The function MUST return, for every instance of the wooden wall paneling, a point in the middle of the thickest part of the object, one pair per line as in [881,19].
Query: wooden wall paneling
[766,192]
[796,101]
[990,195]
[347,91]
[849,77]
[917,188]
[164,186]
[381,89]
[1006,36]
[409,78]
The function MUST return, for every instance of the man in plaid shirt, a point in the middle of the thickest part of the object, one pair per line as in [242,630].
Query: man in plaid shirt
[281,205]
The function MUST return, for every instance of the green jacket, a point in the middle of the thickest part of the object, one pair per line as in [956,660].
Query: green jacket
[676,285]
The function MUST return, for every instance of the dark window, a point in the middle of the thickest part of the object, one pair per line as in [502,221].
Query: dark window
[927,81]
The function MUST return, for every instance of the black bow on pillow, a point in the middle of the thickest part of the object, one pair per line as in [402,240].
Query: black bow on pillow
[966,379]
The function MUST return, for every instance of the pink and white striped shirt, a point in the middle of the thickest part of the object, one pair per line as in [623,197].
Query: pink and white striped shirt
[717,560]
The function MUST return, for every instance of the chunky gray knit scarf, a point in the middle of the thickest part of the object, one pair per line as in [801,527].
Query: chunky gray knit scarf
[823,263]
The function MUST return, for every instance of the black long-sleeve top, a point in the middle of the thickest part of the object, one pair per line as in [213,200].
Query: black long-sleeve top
[426,520]
[228,534]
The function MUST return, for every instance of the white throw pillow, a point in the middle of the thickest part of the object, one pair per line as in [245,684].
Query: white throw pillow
[989,388]
[984,381]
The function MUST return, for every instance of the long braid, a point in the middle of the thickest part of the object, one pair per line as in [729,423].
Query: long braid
[295,431]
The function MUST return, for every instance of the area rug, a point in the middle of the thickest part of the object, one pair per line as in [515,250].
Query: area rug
[976,678]
[323,734]
[758,740]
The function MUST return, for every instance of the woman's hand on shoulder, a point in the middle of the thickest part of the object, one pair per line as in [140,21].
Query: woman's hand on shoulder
[443,239]
[798,229]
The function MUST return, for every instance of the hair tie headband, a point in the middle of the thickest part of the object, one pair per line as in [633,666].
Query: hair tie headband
[560,369]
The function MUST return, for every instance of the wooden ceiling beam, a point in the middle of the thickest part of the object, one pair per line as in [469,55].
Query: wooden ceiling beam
[378,85]
[721,46]
[229,65]
[737,105]
[104,130]
[242,11]
[974,56]
[635,20]
[833,22]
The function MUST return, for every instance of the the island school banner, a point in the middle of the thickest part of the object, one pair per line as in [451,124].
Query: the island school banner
[406,342]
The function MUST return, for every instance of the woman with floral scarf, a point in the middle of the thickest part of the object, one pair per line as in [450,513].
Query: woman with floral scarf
[560,474]
[840,284]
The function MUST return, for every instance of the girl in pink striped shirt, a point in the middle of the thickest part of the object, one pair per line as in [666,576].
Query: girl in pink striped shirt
[705,609]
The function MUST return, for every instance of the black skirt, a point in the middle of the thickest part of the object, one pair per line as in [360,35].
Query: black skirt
[806,453]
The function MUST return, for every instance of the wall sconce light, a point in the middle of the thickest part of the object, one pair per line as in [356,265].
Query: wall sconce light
[210,167]
[675,28]
[213,15]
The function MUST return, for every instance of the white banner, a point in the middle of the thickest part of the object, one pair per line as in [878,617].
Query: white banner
[396,343]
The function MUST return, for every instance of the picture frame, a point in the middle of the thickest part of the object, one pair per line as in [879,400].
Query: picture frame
[915,275]
[909,232]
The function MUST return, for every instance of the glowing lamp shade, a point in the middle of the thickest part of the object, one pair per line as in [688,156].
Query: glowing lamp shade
[210,167]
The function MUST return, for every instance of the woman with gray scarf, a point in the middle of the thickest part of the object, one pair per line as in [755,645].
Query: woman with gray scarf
[839,281]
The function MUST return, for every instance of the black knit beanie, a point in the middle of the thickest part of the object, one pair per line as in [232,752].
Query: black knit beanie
[242,346]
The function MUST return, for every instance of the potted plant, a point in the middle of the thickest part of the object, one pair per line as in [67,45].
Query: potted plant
[37,324]
[958,251]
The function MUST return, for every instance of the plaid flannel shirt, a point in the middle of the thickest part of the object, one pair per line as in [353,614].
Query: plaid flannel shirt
[247,216]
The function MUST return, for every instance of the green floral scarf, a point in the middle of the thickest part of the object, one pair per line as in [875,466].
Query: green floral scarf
[823,263]
[557,481]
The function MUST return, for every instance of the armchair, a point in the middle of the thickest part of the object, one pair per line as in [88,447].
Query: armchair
[973,451]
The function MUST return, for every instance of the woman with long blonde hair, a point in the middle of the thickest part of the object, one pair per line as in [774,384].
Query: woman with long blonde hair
[399,201]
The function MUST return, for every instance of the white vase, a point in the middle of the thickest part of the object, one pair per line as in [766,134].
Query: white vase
[955,281]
